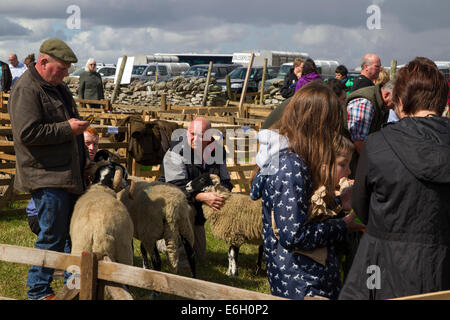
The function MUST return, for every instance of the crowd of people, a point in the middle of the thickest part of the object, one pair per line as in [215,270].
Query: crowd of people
[353,174]
[400,163]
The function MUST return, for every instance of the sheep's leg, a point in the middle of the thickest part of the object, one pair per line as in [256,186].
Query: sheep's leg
[190,256]
[233,253]
[156,259]
[156,263]
[145,262]
[259,262]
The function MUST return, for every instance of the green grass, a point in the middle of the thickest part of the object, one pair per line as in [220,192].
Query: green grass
[14,230]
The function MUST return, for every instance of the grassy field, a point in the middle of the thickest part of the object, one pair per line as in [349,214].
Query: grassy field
[14,230]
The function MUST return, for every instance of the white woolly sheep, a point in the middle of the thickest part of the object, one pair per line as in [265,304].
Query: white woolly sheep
[100,222]
[238,222]
[161,211]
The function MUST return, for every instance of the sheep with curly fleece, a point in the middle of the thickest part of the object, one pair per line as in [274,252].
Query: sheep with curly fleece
[161,211]
[238,222]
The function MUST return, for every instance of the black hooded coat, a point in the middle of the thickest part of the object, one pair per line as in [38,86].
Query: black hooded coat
[402,194]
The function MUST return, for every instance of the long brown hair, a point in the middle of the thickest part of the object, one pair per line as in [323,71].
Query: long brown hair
[311,122]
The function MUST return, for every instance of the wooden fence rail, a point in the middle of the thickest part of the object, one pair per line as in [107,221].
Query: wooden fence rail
[123,274]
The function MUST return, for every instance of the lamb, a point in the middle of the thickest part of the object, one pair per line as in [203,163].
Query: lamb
[100,222]
[238,222]
[161,211]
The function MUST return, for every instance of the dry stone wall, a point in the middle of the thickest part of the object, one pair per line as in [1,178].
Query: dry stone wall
[179,91]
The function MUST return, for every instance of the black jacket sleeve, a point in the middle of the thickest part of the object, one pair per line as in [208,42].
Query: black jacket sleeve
[361,188]
[288,91]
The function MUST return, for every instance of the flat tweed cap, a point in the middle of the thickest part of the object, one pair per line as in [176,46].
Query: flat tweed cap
[58,49]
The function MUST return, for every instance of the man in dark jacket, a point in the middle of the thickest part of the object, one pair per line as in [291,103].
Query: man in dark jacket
[189,158]
[5,76]
[291,79]
[370,69]
[50,151]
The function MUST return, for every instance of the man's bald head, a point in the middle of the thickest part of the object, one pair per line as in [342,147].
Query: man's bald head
[196,130]
[13,59]
[371,66]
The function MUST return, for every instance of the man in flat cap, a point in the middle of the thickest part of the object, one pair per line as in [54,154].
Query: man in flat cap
[49,147]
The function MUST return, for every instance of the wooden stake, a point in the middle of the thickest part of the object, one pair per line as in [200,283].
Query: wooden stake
[208,79]
[88,276]
[393,69]
[261,99]
[163,102]
[244,87]
[119,79]
[228,83]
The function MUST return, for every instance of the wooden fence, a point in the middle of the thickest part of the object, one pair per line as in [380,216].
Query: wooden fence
[107,117]
[96,273]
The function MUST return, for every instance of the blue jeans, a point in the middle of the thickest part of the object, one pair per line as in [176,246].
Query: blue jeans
[55,207]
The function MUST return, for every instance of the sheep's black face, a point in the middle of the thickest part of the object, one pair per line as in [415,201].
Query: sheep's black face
[105,175]
[199,183]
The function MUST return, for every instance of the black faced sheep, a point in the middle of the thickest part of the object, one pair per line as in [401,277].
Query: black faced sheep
[100,222]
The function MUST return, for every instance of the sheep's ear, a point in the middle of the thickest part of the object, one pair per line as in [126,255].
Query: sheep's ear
[215,179]
[132,185]
[118,175]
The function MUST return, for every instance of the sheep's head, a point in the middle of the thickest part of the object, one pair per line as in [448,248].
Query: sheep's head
[108,172]
[203,183]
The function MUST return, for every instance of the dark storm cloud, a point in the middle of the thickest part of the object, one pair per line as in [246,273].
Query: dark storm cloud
[179,15]
[11,29]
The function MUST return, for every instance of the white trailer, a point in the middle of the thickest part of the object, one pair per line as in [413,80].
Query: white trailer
[274,58]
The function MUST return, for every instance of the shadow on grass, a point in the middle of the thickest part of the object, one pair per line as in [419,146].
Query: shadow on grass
[214,270]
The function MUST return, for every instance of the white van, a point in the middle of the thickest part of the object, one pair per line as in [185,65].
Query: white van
[147,72]
[326,68]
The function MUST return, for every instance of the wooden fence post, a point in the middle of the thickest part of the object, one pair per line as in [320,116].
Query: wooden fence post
[261,99]
[119,79]
[163,102]
[88,276]
[208,79]
[228,84]
[244,87]
[393,69]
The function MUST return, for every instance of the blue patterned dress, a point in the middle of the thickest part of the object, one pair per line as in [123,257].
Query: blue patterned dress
[287,193]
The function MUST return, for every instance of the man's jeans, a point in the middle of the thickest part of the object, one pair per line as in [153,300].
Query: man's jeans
[55,208]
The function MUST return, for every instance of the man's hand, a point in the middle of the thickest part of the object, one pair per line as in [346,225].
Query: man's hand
[78,126]
[212,199]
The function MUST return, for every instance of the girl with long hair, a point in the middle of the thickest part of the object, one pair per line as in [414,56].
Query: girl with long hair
[294,163]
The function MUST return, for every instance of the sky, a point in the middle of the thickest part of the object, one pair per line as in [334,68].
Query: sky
[342,30]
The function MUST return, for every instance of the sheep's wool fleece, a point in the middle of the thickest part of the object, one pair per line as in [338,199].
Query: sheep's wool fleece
[160,211]
[101,223]
[238,222]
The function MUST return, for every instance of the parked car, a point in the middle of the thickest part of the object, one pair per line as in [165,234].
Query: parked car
[237,78]
[104,71]
[107,72]
[147,72]
[219,70]
[284,69]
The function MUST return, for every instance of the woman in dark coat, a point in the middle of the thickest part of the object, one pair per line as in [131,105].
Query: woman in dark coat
[401,193]
[91,85]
